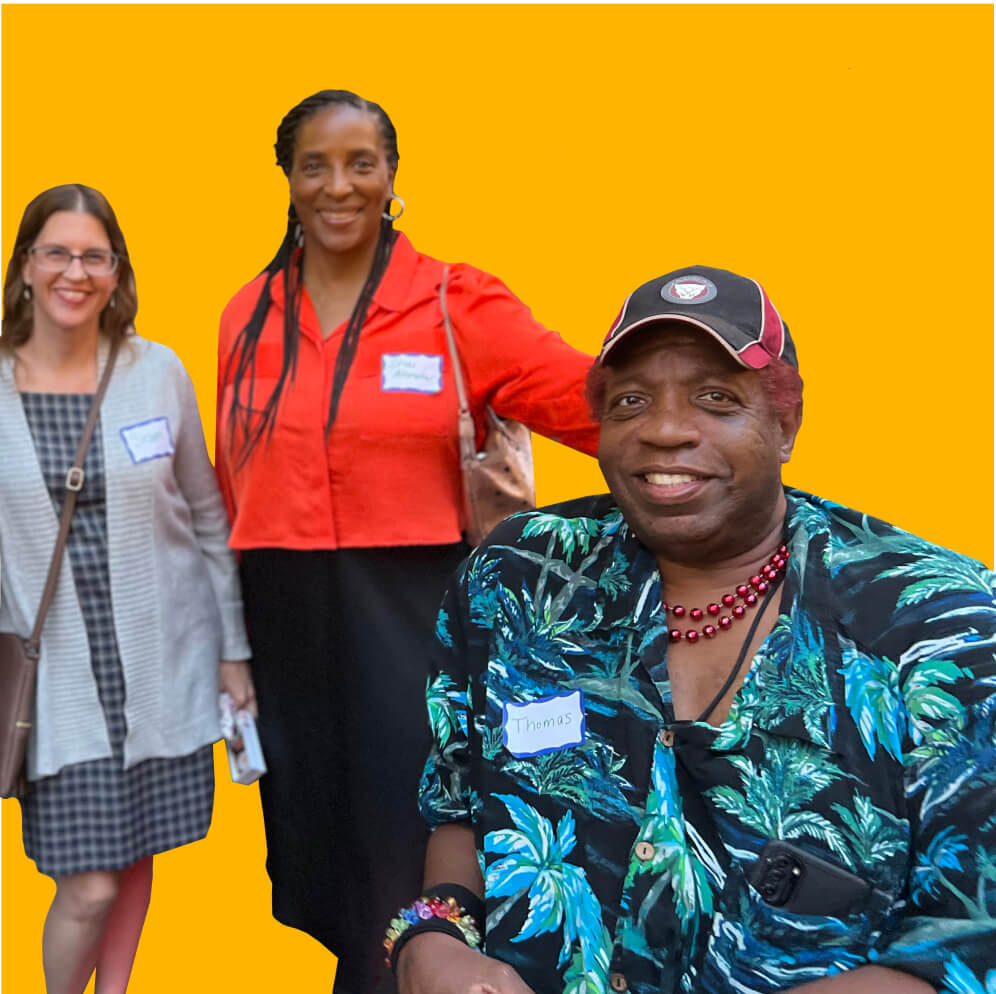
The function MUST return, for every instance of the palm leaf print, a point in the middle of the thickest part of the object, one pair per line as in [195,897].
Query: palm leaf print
[775,800]
[535,863]
[871,690]
[939,572]
[587,776]
[675,865]
[872,835]
[801,687]
[959,979]
[944,853]
[580,978]
[447,708]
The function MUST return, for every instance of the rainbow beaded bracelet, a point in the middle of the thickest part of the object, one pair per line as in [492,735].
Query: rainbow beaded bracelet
[430,914]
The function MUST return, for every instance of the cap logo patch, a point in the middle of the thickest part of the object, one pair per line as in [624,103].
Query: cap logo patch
[689,290]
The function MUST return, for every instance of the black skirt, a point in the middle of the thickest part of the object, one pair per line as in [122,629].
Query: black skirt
[339,643]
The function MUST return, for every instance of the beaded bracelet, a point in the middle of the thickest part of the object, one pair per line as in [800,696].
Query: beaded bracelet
[431,913]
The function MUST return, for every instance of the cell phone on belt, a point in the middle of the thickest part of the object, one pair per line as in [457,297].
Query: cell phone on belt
[792,879]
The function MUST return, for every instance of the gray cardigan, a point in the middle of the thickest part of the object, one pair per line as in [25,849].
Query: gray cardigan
[174,583]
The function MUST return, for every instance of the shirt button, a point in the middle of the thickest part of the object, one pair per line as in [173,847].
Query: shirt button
[666,737]
[618,982]
[644,852]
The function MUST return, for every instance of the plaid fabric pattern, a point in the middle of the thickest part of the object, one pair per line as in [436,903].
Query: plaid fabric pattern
[98,815]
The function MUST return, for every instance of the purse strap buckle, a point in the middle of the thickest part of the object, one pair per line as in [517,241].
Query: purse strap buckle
[74,478]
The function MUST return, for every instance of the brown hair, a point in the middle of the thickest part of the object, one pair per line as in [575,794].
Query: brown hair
[18,311]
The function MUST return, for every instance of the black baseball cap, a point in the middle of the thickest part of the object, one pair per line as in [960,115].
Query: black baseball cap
[733,309]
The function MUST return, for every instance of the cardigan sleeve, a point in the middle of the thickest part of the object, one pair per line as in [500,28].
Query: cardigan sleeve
[521,369]
[197,482]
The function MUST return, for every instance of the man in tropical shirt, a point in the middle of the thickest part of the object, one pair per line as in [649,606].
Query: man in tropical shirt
[708,734]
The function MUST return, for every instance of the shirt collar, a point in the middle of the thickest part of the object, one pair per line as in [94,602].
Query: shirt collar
[394,289]
[638,602]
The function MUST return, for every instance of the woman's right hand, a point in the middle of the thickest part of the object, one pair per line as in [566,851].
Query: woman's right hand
[435,963]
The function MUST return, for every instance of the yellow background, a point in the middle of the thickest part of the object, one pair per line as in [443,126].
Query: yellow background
[842,155]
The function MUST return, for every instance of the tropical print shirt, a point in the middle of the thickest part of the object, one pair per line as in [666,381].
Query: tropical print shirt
[864,735]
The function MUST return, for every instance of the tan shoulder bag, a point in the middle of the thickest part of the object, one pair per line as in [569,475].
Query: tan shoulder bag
[19,656]
[497,481]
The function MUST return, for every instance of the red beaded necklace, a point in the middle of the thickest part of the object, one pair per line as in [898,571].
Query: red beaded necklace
[772,571]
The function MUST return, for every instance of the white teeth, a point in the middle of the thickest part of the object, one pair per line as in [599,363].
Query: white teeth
[669,479]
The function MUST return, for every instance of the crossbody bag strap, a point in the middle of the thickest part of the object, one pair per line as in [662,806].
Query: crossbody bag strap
[74,483]
[468,434]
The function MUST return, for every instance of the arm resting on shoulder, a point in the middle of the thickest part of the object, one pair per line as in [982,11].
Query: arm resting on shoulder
[521,369]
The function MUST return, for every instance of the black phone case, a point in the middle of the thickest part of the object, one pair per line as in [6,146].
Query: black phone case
[790,878]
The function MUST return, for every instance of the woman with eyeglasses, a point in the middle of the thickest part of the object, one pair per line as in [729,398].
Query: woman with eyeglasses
[146,622]
[338,456]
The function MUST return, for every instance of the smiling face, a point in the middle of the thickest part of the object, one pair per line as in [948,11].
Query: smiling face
[72,300]
[691,448]
[340,180]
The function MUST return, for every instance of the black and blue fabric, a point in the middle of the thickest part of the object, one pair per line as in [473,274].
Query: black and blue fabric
[98,815]
[864,736]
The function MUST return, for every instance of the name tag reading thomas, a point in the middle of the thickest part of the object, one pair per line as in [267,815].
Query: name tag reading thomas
[150,439]
[411,372]
[550,723]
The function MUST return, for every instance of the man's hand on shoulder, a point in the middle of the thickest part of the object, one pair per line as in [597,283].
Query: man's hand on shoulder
[435,963]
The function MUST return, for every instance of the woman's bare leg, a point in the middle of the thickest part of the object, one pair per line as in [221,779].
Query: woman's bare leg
[74,927]
[117,949]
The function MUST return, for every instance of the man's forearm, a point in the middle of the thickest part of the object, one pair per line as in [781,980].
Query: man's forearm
[451,857]
[867,980]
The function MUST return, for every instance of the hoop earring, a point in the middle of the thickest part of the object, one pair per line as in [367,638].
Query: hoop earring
[387,215]
[27,293]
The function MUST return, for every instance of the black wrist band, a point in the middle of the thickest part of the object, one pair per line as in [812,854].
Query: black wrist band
[470,905]
[430,925]
[467,899]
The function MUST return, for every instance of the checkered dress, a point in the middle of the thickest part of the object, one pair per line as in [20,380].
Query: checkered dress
[97,815]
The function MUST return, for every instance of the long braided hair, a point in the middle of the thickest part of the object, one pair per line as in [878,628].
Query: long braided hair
[242,361]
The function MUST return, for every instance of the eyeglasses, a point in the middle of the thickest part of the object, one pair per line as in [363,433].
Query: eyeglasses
[56,259]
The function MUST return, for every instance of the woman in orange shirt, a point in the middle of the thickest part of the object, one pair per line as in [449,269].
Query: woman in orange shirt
[338,458]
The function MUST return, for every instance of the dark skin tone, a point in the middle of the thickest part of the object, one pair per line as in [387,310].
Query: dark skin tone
[692,452]
[340,182]
[678,408]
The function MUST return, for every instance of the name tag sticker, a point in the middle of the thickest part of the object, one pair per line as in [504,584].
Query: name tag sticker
[411,372]
[545,725]
[147,440]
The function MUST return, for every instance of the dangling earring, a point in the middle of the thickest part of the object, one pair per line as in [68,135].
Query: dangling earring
[298,235]
[113,302]
[27,293]
[387,215]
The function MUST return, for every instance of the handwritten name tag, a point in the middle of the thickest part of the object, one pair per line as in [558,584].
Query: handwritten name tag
[545,725]
[150,439]
[412,372]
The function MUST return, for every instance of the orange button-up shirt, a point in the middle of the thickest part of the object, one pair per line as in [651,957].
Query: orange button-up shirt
[389,473]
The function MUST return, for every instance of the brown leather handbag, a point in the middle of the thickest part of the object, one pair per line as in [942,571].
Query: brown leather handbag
[19,656]
[497,481]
